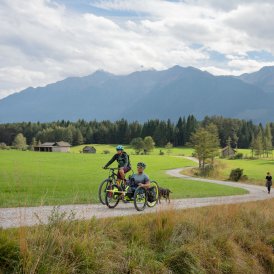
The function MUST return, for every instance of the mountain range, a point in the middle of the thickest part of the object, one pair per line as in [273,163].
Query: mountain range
[143,95]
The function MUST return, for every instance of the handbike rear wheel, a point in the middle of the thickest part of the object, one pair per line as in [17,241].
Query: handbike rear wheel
[140,198]
[153,203]
[112,195]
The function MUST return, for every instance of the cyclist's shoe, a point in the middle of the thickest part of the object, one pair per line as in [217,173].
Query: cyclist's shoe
[127,189]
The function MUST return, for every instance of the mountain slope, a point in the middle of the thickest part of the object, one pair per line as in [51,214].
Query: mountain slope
[139,96]
[264,78]
[200,94]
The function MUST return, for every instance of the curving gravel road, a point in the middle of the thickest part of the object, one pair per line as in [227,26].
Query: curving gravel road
[28,216]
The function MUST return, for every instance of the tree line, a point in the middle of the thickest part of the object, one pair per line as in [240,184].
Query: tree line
[238,133]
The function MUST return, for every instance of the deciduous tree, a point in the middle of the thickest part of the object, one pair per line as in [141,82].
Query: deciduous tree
[137,144]
[20,141]
[148,144]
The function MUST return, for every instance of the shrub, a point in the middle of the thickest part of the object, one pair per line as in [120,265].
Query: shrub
[237,156]
[236,174]
[3,146]
[161,152]
[211,170]
[106,151]
[207,170]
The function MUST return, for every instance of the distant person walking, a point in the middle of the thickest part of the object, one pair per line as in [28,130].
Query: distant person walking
[268,183]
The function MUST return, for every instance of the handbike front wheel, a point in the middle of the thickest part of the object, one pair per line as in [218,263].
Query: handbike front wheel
[140,198]
[113,194]
[154,188]
[102,190]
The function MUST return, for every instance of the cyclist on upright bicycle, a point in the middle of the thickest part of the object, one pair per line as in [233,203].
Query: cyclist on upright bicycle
[123,162]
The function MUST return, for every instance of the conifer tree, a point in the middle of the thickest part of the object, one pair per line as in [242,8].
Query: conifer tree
[267,140]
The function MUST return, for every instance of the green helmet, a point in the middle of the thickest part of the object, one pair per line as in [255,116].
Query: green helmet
[141,164]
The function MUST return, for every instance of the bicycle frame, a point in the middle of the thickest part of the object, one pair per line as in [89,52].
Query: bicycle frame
[114,176]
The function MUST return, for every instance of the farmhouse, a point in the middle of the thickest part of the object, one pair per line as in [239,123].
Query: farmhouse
[89,149]
[53,147]
[228,152]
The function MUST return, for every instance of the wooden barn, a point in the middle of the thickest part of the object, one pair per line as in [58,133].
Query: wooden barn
[228,152]
[53,147]
[89,149]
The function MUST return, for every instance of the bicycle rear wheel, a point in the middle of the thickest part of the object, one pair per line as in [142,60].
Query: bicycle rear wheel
[112,197]
[102,190]
[140,198]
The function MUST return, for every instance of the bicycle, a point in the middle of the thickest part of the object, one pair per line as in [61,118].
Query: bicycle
[111,180]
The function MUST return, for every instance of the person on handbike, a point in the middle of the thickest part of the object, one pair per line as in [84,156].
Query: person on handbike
[138,179]
[123,162]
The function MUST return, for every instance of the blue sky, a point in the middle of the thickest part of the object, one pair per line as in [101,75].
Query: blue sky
[43,41]
[84,6]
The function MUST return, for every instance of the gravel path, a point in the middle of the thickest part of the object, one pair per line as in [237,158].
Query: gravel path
[28,216]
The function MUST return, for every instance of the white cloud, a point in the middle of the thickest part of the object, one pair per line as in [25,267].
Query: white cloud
[243,65]
[42,42]
[256,22]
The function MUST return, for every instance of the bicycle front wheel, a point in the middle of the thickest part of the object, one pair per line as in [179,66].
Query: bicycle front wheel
[102,190]
[140,198]
[112,197]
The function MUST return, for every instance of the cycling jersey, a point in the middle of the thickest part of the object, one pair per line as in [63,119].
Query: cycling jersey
[122,159]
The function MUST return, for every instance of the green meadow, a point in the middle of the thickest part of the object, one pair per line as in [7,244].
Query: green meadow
[36,178]
[175,151]
[255,169]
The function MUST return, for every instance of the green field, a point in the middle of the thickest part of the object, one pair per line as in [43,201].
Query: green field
[36,178]
[176,151]
[246,152]
[255,169]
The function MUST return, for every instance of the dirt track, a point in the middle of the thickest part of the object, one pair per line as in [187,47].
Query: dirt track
[28,216]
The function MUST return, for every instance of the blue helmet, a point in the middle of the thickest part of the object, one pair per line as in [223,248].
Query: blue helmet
[119,147]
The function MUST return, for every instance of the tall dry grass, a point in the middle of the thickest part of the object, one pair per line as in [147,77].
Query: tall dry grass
[211,171]
[222,239]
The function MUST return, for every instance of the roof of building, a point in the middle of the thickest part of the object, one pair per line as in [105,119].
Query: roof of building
[89,147]
[225,148]
[47,144]
[63,144]
[55,144]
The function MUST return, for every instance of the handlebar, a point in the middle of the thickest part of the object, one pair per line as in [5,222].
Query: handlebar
[110,168]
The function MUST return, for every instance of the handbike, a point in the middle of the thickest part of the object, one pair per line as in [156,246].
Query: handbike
[140,196]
